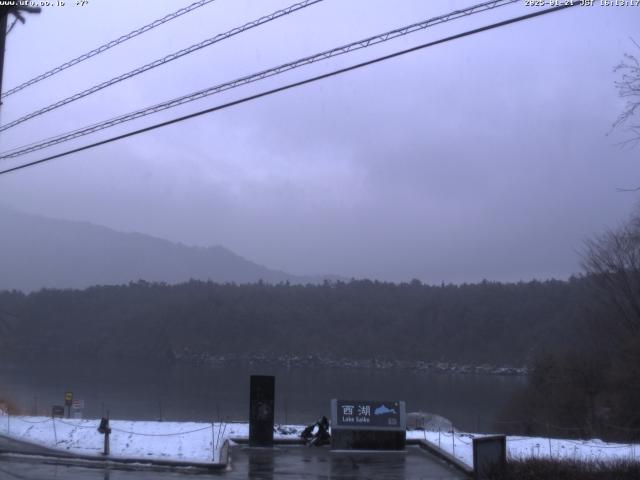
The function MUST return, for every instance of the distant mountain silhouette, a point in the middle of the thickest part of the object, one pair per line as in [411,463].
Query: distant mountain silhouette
[38,252]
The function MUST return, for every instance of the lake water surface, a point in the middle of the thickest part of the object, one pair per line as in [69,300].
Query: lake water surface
[131,390]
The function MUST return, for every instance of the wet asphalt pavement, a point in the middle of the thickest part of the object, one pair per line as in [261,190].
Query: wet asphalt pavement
[282,462]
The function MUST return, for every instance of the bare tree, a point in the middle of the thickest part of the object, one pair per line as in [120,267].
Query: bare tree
[612,261]
[628,86]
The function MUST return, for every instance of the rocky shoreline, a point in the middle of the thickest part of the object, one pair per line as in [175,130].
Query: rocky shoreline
[318,361]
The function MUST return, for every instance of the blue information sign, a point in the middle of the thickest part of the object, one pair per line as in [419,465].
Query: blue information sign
[368,414]
[365,413]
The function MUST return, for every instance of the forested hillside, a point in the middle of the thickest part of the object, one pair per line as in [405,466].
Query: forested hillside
[473,323]
[40,252]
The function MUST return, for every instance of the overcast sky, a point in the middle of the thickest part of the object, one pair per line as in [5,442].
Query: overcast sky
[485,157]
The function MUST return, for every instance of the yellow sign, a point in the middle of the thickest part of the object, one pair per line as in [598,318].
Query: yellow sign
[68,398]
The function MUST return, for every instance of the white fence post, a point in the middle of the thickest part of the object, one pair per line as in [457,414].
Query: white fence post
[453,441]
[55,434]
[213,444]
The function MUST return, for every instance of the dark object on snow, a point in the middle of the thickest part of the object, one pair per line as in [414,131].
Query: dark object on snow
[318,433]
[104,426]
[106,431]
[307,433]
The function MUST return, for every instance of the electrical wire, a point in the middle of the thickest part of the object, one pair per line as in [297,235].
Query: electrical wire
[23,419]
[77,425]
[161,61]
[160,434]
[293,85]
[107,46]
[595,445]
[341,50]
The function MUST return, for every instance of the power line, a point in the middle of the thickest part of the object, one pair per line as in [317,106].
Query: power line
[293,85]
[107,46]
[161,61]
[40,144]
[364,43]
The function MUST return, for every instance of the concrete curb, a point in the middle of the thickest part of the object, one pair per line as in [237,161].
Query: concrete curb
[442,455]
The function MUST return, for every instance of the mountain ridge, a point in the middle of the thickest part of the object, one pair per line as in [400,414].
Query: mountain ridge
[41,252]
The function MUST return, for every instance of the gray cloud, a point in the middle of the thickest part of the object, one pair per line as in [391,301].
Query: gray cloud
[485,157]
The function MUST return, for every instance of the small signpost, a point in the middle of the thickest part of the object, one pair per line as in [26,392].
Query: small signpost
[368,425]
[68,401]
[489,456]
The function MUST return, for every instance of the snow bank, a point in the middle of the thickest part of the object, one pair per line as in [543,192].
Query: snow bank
[460,445]
[172,441]
[202,442]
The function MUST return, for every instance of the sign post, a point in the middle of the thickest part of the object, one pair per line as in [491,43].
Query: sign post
[104,429]
[68,401]
[368,425]
[57,411]
[261,410]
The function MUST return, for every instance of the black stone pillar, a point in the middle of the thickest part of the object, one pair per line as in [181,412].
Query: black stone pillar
[261,410]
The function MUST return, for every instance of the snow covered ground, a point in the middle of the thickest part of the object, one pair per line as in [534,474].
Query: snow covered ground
[174,441]
[460,445]
[201,442]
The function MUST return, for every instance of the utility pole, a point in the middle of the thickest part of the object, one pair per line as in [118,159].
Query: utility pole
[15,10]
[4,13]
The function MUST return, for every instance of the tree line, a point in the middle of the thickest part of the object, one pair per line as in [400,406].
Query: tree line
[488,322]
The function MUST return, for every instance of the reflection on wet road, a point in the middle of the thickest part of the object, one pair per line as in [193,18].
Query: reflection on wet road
[283,462]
